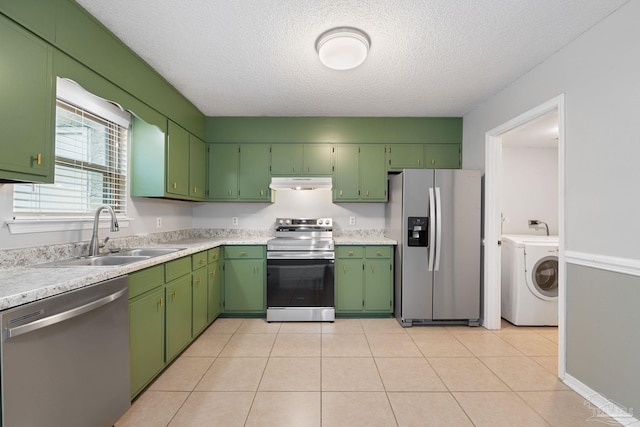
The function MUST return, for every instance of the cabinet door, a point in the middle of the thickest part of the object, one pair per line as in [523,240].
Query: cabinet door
[349,296]
[197,167]
[177,160]
[405,156]
[200,301]
[286,159]
[214,296]
[178,311]
[146,338]
[27,106]
[372,173]
[442,156]
[377,288]
[223,171]
[244,285]
[254,172]
[316,159]
[345,175]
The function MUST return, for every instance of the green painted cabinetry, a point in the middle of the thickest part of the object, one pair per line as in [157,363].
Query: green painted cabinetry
[27,97]
[178,316]
[359,173]
[199,283]
[364,280]
[214,285]
[244,279]
[442,156]
[239,172]
[177,163]
[316,159]
[301,159]
[404,156]
[197,167]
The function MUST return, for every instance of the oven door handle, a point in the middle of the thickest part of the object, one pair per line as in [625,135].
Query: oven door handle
[304,255]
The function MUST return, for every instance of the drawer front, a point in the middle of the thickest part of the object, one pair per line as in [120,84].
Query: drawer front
[233,252]
[213,255]
[145,280]
[199,260]
[378,251]
[349,251]
[176,268]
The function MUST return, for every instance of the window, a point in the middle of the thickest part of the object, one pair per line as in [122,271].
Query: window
[90,160]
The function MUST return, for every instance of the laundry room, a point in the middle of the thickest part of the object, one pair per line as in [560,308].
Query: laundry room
[530,194]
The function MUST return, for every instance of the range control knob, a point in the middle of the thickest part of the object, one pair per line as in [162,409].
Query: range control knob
[280,221]
[287,221]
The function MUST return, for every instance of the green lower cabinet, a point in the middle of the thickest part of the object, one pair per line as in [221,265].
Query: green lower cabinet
[146,338]
[178,319]
[364,280]
[214,292]
[244,272]
[199,283]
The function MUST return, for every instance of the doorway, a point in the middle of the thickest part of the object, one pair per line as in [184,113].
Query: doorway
[493,219]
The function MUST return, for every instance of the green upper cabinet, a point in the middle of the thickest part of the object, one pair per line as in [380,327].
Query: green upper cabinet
[286,159]
[254,173]
[36,15]
[345,175]
[177,160]
[404,156]
[372,173]
[239,172]
[222,167]
[442,156]
[359,173]
[197,167]
[167,163]
[316,159]
[301,159]
[27,107]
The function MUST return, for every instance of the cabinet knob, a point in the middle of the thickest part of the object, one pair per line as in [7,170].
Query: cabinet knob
[242,253]
[262,192]
[174,294]
[350,253]
[294,168]
[367,192]
[378,253]
[433,162]
[419,161]
[160,302]
[340,193]
[195,189]
[201,260]
[229,192]
[344,268]
[175,185]
[39,159]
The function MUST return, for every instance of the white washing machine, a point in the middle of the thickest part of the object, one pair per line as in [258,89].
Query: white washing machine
[530,280]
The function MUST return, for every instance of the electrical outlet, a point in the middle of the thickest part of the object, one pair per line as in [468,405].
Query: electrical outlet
[159,222]
[234,220]
[352,220]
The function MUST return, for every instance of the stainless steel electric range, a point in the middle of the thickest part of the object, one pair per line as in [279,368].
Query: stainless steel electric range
[300,267]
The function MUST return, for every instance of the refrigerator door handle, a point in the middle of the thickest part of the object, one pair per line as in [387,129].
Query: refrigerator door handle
[432,228]
[438,227]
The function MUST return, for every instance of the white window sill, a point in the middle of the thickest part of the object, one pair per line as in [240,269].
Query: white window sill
[43,225]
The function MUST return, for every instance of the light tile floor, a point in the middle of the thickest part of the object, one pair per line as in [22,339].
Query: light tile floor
[362,372]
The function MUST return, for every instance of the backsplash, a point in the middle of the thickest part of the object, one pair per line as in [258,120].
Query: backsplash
[21,257]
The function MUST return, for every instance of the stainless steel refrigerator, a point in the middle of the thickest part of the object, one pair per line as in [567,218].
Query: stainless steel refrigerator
[434,214]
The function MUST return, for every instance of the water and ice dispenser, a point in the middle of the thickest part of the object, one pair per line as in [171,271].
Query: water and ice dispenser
[418,229]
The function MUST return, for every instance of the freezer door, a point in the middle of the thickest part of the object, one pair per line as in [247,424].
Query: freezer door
[456,291]
[416,279]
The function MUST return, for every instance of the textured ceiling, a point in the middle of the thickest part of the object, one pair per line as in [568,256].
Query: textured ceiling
[427,58]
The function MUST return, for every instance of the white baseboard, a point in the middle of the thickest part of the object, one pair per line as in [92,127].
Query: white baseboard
[604,262]
[601,405]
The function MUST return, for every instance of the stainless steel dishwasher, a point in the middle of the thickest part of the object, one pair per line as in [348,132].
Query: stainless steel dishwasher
[65,359]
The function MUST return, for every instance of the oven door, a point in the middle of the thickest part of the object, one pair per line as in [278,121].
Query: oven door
[299,282]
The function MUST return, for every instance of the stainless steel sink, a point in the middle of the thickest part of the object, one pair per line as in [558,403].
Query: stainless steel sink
[97,261]
[150,252]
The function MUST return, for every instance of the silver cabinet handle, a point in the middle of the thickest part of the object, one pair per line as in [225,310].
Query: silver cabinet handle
[65,315]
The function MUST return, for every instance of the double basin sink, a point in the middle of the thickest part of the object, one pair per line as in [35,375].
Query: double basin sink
[125,256]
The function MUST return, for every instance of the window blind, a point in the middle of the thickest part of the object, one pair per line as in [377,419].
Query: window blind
[90,167]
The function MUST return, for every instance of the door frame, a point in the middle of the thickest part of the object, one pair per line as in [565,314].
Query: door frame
[492,220]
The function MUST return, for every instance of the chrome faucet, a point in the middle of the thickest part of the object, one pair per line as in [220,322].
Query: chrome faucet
[95,244]
[536,222]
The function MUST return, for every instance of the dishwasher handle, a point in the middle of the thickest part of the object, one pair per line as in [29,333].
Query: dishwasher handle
[65,315]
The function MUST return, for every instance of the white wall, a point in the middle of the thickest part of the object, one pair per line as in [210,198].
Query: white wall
[287,203]
[529,189]
[175,216]
[599,73]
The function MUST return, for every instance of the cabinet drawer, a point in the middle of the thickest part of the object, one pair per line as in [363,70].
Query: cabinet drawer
[349,251]
[199,260]
[145,280]
[176,268]
[378,251]
[213,255]
[244,251]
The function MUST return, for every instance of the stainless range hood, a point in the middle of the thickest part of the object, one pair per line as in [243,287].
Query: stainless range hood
[301,183]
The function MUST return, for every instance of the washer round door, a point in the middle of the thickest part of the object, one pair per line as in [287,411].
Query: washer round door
[542,272]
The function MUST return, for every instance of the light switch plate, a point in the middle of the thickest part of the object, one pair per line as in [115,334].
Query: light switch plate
[352,220]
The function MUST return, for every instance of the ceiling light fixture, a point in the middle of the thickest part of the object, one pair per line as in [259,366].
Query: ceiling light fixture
[343,48]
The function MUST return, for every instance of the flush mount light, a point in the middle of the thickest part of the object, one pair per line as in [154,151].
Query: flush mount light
[343,48]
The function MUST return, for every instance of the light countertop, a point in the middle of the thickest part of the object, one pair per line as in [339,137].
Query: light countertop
[23,285]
